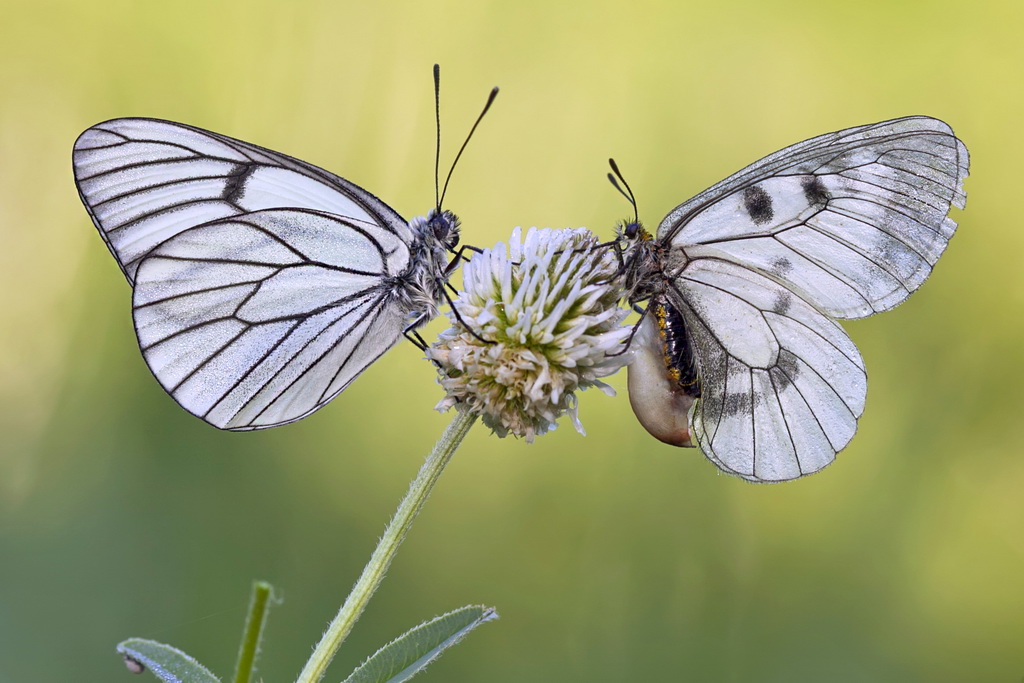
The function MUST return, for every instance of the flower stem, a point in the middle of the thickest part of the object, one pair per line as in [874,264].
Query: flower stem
[379,562]
[259,607]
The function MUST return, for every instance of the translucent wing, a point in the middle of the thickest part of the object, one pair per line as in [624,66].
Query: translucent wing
[782,386]
[258,320]
[145,181]
[853,220]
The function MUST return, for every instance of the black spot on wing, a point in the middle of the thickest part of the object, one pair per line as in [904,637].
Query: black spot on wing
[783,302]
[781,266]
[758,204]
[737,404]
[234,188]
[785,371]
[814,190]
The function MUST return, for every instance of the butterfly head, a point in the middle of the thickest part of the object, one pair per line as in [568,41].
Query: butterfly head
[633,231]
[443,227]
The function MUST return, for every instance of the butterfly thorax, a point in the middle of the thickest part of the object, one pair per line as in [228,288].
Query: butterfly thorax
[644,262]
[419,288]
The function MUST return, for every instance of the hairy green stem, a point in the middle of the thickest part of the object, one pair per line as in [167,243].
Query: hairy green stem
[379,562]
[255,623]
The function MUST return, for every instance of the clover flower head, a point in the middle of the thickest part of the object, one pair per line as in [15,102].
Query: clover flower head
[539,320]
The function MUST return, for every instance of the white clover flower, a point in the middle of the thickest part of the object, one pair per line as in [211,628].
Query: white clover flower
[549,312]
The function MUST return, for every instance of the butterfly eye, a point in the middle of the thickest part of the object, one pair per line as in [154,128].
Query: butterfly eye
[631,230]
[444,227]
[439,226]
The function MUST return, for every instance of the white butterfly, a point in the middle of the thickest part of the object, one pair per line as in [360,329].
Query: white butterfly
[738,351]
[263,285]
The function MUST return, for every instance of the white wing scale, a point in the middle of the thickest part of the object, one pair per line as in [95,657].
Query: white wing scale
[246,330]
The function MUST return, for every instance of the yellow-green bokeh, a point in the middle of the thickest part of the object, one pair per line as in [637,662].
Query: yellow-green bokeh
[610,557]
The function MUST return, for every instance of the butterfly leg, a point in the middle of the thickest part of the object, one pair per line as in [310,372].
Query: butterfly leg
[616,246]
[467,247]
[462,322]
[632,333]
[459,257]
[412,335]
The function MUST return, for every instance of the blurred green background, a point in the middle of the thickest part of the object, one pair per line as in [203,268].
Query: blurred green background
[610,557]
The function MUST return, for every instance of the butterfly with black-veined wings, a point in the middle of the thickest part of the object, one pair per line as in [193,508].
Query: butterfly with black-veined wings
[262,285]
[737,351]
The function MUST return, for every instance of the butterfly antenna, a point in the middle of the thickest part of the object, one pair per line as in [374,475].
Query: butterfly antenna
[490,101]
[627,193]
[437,149]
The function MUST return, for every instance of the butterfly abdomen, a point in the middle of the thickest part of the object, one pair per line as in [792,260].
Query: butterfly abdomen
[679,358]
[663,380]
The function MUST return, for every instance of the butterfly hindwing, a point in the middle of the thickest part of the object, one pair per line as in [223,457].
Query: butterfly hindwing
[257,320]
[782,386]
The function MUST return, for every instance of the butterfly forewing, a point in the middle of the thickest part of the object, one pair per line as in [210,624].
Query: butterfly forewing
[853,220]
[245,328]
[146,180]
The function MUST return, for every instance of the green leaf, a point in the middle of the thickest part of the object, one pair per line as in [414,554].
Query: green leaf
[410,653]
[167,663]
